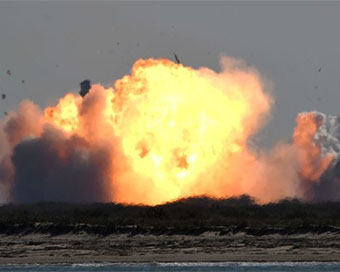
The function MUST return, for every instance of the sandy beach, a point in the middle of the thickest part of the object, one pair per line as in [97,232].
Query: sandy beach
[212,246]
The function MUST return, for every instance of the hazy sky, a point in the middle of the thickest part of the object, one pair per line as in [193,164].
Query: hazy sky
[53,46]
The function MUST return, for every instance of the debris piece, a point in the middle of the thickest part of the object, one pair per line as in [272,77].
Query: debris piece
[177,59]
[85,87]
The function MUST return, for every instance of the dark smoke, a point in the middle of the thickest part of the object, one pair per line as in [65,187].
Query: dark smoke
[328,187]
[53,168]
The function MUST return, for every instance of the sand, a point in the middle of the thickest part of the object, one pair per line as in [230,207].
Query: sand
[209,246]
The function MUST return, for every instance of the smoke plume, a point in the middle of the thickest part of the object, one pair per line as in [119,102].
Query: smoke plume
[165,132]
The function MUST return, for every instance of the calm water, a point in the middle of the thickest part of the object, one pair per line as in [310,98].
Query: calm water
[215,267]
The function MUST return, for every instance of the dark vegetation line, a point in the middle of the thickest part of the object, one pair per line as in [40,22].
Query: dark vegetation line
[186,216]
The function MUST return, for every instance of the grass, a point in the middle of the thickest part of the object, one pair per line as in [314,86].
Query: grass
[185,213]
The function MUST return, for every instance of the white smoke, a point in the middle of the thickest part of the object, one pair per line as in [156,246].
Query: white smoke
[327,137]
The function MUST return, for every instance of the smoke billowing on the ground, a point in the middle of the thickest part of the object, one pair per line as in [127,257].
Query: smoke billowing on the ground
[166,132]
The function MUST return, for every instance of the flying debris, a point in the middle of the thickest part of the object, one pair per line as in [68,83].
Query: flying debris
[5,113]
[3,96]
[85,87]
[319,70]
[177,59]
[22,81]
[9,72]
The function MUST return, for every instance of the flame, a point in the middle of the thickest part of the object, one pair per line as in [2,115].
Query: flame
[65,115]
[172,131]
[174,124]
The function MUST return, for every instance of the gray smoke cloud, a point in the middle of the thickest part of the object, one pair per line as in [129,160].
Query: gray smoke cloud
[52,168]
[327,136]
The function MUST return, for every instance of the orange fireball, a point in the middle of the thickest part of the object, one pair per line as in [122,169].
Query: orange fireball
[175,129]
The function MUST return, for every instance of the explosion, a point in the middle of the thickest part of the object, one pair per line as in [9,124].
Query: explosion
[164,132]
[310,157]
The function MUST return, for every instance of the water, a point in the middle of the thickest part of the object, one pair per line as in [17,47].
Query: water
[178,267]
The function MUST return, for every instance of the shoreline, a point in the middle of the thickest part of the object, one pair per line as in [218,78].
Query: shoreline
[209,246]
[190,230]
[173,263]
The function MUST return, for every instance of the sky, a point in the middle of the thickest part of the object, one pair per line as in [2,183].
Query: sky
[50,47]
